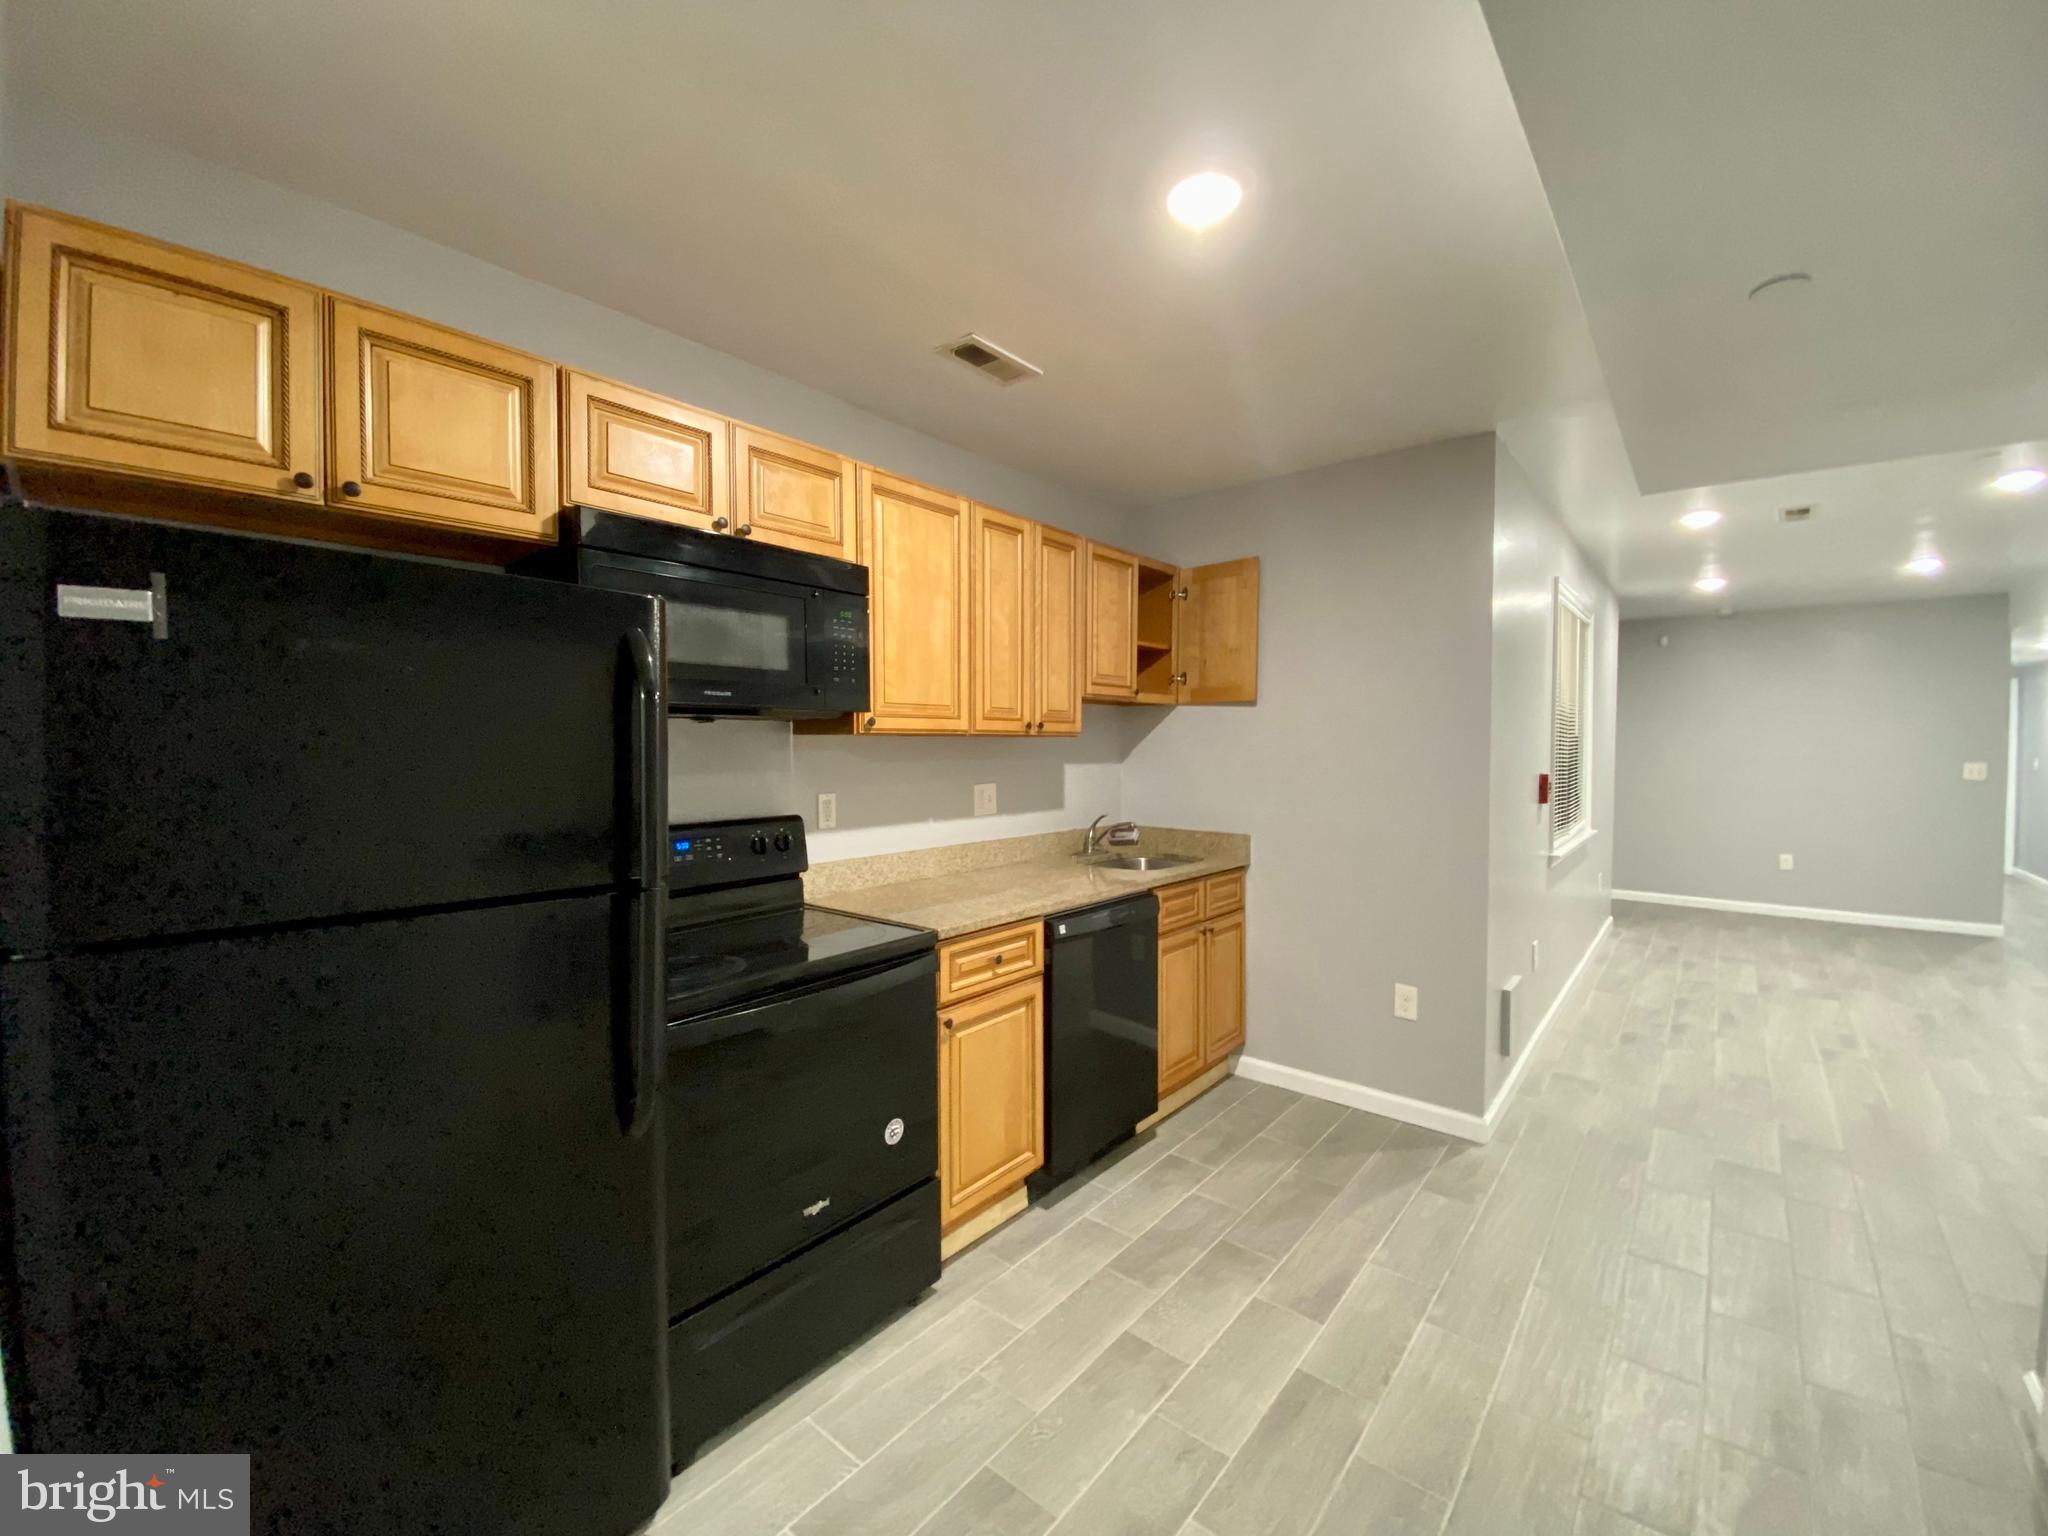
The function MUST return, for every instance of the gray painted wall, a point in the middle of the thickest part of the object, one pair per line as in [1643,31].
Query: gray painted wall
[1562,906]
[1361,773]
[1837,735]
[2032,835]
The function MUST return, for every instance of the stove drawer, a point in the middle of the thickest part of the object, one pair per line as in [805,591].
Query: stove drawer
[789,1118]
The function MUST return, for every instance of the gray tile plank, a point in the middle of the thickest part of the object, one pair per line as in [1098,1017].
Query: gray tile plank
[1673,1227]
[1645,1457]
[1055,1456]
[1133,1208]
[1863,1481]
[876,1405]
[1277,1484]
[918,1471]
[1039,1363]
[1663,1319]
[1369,1332]
[1221,1398]
[1426,1239]
[1746,1200]
[1959,1420]
[1174,1242]
[1845,1343]
[1753,1282]
[1430,1413]
[1197,1307]
[786,1478]
[1524,1477]
[988,1506]
[1052,1272]
[1255,1169]
[1372,1502]
[1149,1489]
[1744,1495]
[1313,1277]
[1756,1398]
[1283,1214]
[1830,1246]
[1557,1366]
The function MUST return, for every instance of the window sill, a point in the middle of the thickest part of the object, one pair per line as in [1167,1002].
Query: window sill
[1578,840]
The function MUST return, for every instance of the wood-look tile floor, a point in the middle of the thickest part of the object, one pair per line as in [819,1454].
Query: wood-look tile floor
[1757,1249]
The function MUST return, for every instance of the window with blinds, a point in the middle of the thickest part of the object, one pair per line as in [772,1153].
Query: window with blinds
[1571,694]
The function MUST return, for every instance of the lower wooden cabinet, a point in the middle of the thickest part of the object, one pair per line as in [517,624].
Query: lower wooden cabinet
[991,1096]
[1201,976]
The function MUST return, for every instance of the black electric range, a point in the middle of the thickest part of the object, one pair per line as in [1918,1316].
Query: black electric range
[802,1122]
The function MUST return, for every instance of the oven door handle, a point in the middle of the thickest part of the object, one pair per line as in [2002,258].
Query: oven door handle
[852,987]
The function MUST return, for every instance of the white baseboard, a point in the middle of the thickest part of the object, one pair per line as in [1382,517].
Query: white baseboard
[2026,874]
[1817,914]
[1397,1106]
[1522,1057]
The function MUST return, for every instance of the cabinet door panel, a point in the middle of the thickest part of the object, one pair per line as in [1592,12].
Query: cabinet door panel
[1112,622]
[437,426]
[793,495]
[143,358]
[1223,987]
[1181,1054]
[1218,634]
[991,1096]
[629,451]
[1057,615]
[915,543]
[1002,602]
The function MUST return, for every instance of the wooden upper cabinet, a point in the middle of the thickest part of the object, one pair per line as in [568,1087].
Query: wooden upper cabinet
[128,355]
[1001,665]
[789,493]
[438,426]
[991,1096]
[914,541]
[1056,569]
[1112,623]
[626,450]
[1217,636]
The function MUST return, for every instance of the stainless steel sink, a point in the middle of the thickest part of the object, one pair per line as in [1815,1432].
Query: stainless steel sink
[1149,861]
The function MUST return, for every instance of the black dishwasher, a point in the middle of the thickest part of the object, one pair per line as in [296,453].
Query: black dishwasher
[1101,1030]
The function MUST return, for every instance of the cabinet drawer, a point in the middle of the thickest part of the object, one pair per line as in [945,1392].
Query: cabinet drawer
[1222,893]
[990,958]
[1180,905]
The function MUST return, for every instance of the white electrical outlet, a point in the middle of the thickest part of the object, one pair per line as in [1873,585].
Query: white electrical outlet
[828,812]
[984,799]
[1407,1001]
[1535,955]
[1784,861]
[1976,773]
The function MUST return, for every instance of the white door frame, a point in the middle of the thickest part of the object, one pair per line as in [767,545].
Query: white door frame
[2012,776]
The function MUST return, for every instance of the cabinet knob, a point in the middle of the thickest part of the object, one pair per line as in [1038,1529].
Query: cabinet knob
[719,525]
[745,529]
[350,488]
[871,722]
[1181,678]
[999,960]
[946,1023]
[303,480]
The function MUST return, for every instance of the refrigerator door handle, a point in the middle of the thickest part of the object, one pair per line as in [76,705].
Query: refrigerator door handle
[646,1043]
[644,866]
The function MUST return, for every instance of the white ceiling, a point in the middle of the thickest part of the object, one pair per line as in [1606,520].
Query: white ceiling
[1895,149]
[832,190]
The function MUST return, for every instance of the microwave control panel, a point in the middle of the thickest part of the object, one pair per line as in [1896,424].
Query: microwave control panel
[846,642]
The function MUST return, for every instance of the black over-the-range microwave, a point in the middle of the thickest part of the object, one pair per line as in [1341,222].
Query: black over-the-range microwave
[752,629]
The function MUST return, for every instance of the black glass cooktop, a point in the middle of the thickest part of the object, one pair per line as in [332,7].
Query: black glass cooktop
[737,957]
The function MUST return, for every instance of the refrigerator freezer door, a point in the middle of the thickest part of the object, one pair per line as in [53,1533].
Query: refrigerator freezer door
[292,733]
[355,1200]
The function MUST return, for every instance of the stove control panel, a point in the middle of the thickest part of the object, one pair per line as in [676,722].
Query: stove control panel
[711,853]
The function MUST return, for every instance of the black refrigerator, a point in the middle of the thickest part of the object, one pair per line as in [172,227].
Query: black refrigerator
[331,1007]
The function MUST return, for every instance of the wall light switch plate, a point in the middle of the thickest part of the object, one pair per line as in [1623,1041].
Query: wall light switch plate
[1976,773]
[828,812]
[1407,1001]
[984,799]
[1784,861]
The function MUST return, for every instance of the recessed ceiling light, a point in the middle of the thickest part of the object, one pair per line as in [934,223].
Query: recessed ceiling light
[1710,583]
[1700,517]
[1208,197]
[1925,565]
[2015,481]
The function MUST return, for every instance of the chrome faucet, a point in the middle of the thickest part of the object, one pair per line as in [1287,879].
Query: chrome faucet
[1122,832]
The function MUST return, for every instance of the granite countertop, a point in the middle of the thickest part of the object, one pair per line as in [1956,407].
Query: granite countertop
[970,886]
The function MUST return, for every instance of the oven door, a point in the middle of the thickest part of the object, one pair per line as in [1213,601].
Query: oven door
[737,645]
[792,1116]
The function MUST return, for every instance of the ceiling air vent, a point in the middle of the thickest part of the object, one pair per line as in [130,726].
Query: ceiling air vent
[1794,514]
[985,357]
